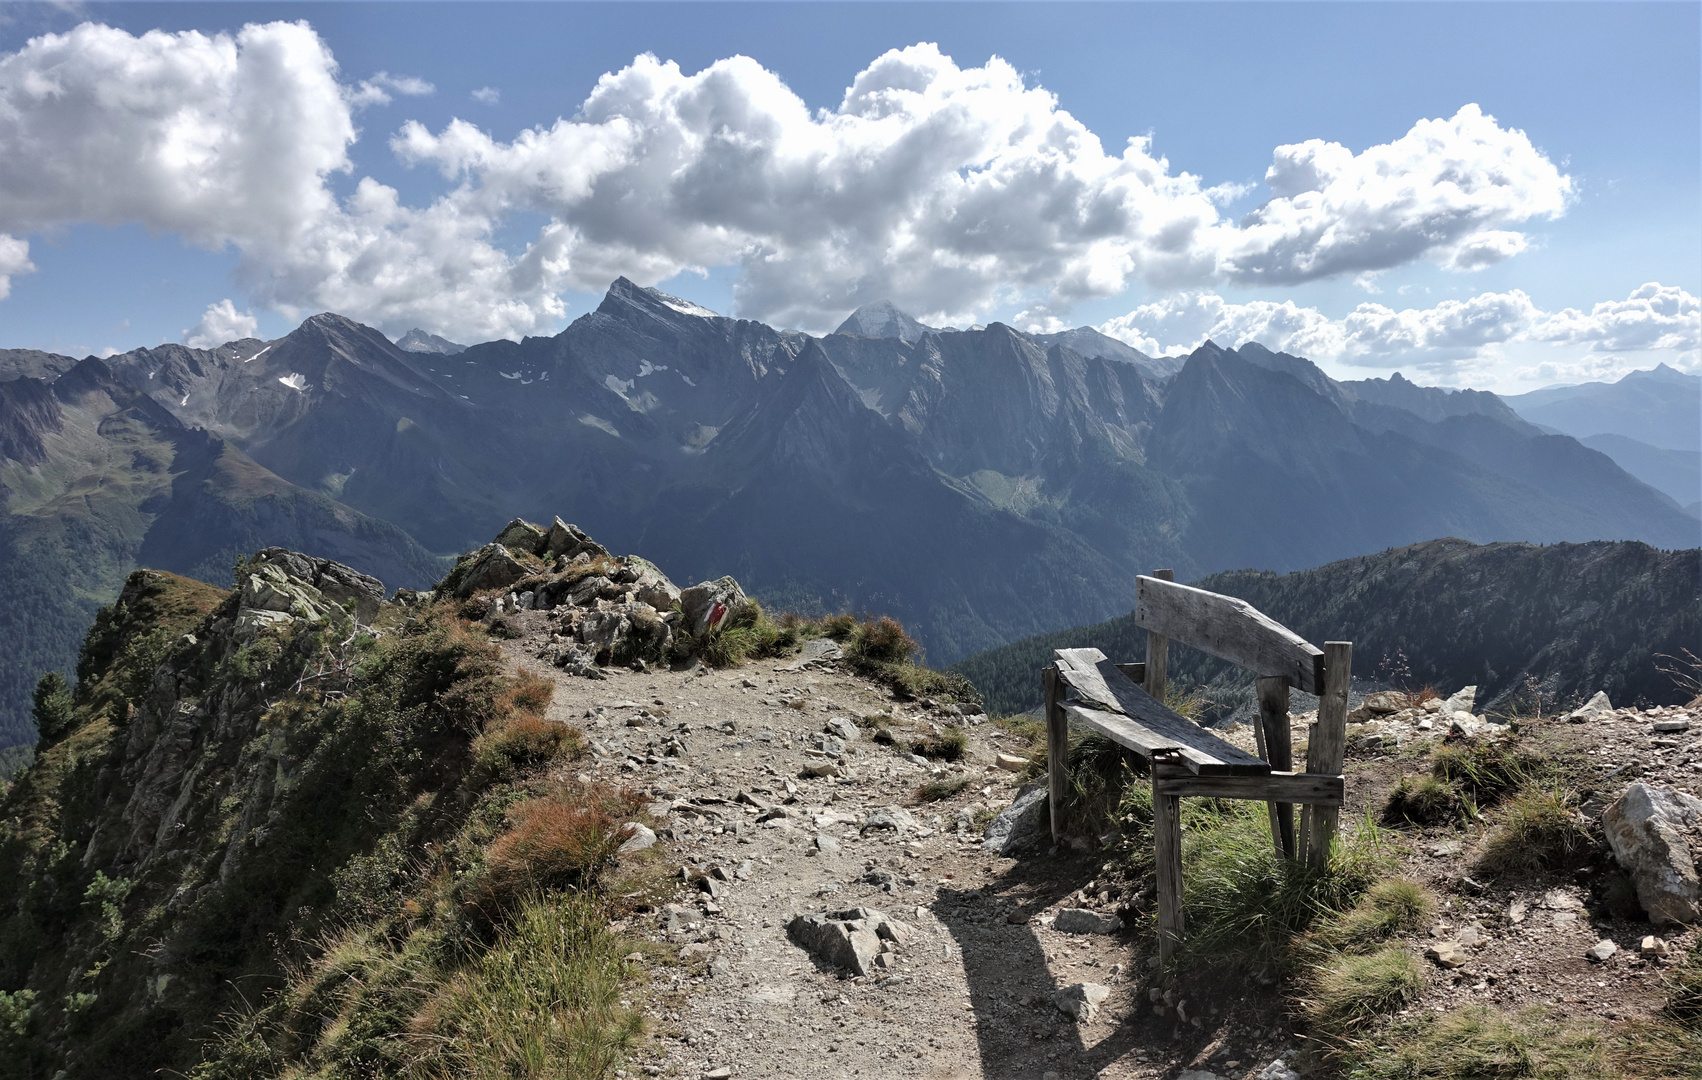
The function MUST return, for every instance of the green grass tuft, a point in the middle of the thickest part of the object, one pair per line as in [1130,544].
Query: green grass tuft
[1349,990]
[1423,800]
[1542,831]
[1479,1043]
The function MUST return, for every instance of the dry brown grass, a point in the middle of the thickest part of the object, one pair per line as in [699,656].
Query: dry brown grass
[565,840]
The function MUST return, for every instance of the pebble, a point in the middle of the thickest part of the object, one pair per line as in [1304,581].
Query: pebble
[1446,954]
[1663,726]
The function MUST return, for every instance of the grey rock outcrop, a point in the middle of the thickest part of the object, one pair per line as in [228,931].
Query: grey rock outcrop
[1650,830]
[1020,825]
[565,541]
[710,604]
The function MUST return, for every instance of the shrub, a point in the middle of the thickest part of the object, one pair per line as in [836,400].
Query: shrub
[883,641]
[1541,831]
[52,708]
[948,745]
[523,742]
[1486,770]
[1351,989]
[1423,800]
[935,790]
[563,841]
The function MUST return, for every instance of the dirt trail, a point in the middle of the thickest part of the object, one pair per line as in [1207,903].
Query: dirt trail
[970,995]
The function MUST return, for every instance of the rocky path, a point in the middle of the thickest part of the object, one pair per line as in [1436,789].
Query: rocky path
[729,759]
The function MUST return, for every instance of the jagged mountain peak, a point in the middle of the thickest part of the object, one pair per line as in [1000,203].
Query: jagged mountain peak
[418,341]
[883,319]
[625,295]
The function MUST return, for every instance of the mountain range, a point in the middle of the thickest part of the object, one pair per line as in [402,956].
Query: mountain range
[981,485]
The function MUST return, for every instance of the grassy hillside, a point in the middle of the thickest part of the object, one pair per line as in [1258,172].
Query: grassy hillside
[1569,618]
[207,835]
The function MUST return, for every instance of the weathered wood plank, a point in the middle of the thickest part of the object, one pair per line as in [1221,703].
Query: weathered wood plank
[1156,676]
[1312,788]
[1328,745]
[1167,854]
[1096,683]
[1226,628]
[1057,749]
[1279,751]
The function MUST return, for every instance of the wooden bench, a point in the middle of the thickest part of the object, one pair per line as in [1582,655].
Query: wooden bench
[1125,703]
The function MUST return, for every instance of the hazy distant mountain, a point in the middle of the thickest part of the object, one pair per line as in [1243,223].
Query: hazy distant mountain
[1677,473]
[982,485]
[417,340]
[882,319]
[1662,407]
[1091,343]
[1573,618]
[1431,403]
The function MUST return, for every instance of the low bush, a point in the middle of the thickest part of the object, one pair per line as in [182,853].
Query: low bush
[935,790]
[1486,770]
[1392,906]
[1480,1043]
[524,742]
[883,641]
[949,745]
[1541,831]
[1353,988]
[1423,800]
[562,841]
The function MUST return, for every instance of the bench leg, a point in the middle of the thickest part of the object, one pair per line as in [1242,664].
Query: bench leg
[1167,853]
[1057,751]
[1276,745]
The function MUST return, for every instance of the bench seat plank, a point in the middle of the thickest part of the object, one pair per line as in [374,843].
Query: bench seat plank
[1103,698]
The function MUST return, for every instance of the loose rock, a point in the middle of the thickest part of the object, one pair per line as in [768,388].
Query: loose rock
[1646,828]
[1084,921]
[1080,1001]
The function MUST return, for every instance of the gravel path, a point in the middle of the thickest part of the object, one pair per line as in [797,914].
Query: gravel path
[724,756]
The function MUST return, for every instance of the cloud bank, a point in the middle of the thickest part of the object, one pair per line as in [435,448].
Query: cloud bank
[221,322]
[947,189]
[1654,316]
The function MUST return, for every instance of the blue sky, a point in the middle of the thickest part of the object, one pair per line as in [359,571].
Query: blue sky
[1595,109]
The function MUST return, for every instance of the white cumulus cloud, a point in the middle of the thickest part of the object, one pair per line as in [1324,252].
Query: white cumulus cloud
[14,262]
[947,189]
[221,322]
[487,95]
[1653,317]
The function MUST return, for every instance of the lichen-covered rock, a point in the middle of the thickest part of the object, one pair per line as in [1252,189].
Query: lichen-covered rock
[340,584]
[521,535]
[565,541]
[492,567]
[651,586]
[269,588]
[1650,830]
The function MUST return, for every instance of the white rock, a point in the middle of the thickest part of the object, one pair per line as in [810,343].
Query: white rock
[1020,824]
[1010,762]
[1594,709]
[1646,829]
[1601,950]
[1462,700]
[1277,1070]
[638,838]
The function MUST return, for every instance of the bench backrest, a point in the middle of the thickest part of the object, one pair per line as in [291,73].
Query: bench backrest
[1228,629]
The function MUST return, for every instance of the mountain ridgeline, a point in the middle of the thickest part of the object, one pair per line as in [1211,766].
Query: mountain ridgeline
[1516,620]
[981,485]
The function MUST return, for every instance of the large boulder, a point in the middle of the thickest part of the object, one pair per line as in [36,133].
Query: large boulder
[650,585]
[491,567]
[1651,830]
[1020,825]
[1462,700]
[521,535]
[710,604]
[570,541]
[340,584]
[268,588]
